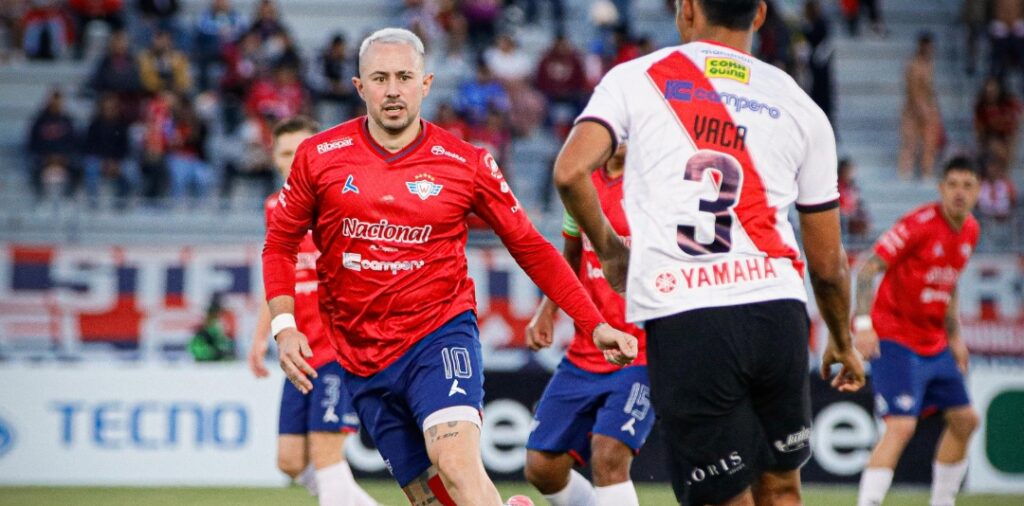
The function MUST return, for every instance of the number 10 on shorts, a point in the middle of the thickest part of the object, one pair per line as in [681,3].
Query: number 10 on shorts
[456,363]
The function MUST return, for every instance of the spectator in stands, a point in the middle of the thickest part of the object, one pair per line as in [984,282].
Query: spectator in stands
[853,215]
[158,121]
[253,160]
[475,96]
[854,9]
[1006,34]
[217,27]
[998,193]
[996,116]
[187,162]
[513,67]
[163,67]
[449,120]
[974,16]
[819,59]
[997,202]
[482,22]
[333,81]
[624,45]
[11,13]
[494,136]
[419,16]
[562,79]
[507,61]
[161,16]
[107,152]
[531,11]
[267,22]
[281,96]
[118,72]
[453,23]
[52,145]
[280,51]
[921,123]
[47,31]
[110,12]
[243,63]
[775,41]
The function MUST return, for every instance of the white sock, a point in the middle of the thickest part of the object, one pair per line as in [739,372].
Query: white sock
[874,483]
[308,479]
[577,493]
[619,494]
[339,488]
[946,480]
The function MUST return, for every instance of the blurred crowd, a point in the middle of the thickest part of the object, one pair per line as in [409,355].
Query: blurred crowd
[183,104]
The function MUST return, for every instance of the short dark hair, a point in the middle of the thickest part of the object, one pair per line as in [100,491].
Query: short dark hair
[296,124]
[732,14]
[960,163]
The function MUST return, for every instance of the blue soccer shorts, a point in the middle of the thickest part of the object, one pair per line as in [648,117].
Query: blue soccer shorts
[908,384]
[577,404]
[328,408]
[439,379]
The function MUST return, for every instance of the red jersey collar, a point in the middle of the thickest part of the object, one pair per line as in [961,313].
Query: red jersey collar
[382,152]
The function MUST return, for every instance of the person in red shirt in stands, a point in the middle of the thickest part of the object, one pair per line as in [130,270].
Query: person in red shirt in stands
[387,196]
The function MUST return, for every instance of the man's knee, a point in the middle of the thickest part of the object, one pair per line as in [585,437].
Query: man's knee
[547,472]
[610,460]
[963,422]
[291,464]
[900,428]
[291,454]
[326,448]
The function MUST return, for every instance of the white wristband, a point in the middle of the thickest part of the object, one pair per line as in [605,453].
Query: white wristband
[281,322]
[862,322]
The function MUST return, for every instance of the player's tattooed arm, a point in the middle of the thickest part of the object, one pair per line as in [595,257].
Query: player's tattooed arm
[952,319]
[866,275]
[956,345]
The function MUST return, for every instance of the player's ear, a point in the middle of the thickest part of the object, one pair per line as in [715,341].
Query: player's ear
[358,83]
[762,14]
[428,80]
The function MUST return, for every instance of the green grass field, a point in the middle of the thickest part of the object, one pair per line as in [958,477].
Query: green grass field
[387,493]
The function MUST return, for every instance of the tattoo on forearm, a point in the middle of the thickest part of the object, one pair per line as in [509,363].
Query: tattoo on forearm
[866,285]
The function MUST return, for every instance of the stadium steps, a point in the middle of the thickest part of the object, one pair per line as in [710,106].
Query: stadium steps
[870,94]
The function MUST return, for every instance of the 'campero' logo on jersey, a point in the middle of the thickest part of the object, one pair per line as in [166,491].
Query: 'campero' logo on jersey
[424,186]
[726,68]
[384,231]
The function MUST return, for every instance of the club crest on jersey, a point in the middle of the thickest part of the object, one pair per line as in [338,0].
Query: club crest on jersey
[424,186]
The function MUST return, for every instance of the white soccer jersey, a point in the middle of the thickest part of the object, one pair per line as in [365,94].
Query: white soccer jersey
[720,145]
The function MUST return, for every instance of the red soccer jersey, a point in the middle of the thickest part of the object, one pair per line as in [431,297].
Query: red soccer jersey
[924,257]
[582,352]
[307,309]
[392,231]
